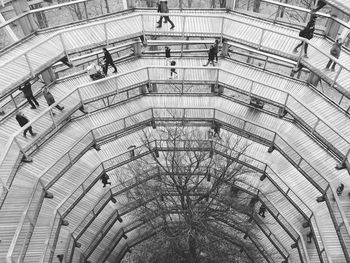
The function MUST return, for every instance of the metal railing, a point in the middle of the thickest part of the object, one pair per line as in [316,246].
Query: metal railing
[87,92]
[60,43]
[300,161]
[86,185]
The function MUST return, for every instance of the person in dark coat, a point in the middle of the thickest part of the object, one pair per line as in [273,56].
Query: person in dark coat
[167,55]
[335,52]
[104,179]
[340,189]
[172,69]
[28,94]
[262,211]
[108,61]
[50,99]
[22,121]
[216,50]
[211,56]
[163,8]
[308,33]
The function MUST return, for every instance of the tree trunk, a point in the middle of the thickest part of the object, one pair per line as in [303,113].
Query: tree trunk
[192,246]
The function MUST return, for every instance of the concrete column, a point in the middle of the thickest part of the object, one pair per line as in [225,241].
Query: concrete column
[333,27]
[48,76]
[313,79]
[27,23]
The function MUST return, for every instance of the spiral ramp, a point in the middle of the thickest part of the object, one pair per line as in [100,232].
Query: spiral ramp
[84,221]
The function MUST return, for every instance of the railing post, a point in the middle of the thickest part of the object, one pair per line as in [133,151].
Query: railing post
[63,44]
[52,118]
[13,100]
[143,25]
[217,80]
[183,81]
[261,38]
[106,33]
[80,96]
[222,29]
[314,128]
[272,147]
[342,165]
[183,26]
[25,156]
[86,12]
[301,52]
[337,75]
[251,88]
[29,65]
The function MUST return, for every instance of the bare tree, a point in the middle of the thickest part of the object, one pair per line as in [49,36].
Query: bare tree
[189,187]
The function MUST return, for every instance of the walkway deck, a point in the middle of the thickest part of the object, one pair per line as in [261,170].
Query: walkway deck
[310,151]
[243,29]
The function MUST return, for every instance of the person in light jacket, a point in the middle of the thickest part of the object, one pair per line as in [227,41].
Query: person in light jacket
[50,99]
[335,52]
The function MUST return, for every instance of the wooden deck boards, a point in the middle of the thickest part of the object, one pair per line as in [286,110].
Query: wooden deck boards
[244,29]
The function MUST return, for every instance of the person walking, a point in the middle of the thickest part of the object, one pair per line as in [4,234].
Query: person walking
[211,55]
[104,179]
[28,94]
[335,52]
[22,121]
[262,211]
[108,61]
[340,189]
[163,8]
[50,99]
[308,33]
[172,69]
[216,50]
[167,55]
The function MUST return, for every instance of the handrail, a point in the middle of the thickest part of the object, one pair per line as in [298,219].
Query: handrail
[37,10]
[128,151]
[142,15]
[110,78]
[41,9]
[98,81]
[325,249]
[248,190]
[102,80]
[157,169]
